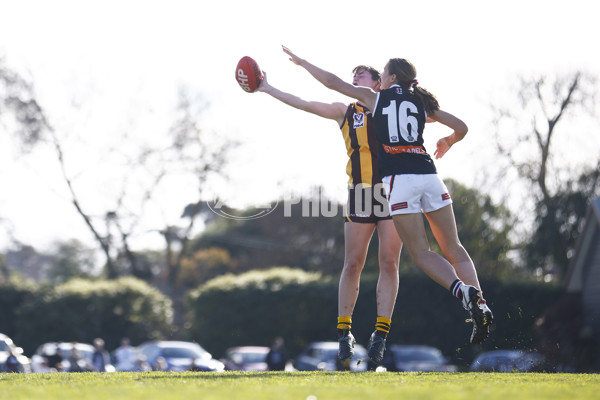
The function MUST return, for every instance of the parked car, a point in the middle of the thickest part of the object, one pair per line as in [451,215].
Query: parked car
[20,363]
[507,361]
[416,358]
[168,355]
[323,356]
[246,358]
[59,356]
[530,361]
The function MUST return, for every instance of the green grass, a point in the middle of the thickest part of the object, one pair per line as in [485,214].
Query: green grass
[300,385]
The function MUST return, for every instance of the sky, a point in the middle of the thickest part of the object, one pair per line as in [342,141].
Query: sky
[100,68]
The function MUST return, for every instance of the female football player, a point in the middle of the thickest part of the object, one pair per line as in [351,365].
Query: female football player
[400,110]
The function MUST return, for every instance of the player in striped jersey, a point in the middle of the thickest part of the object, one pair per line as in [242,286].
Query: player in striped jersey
[367,208]
[400,110]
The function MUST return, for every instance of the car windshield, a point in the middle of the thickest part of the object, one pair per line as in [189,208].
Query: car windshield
[418,355]
[182,352]
[247,358]
[324,354]
[66,352]
[499,360]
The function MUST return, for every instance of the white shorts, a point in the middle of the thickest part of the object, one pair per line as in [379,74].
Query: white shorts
[410,194]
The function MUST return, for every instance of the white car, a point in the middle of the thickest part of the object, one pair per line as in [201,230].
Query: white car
[171,355]
[246,358]
[56,356]
[6,347]
[323,356]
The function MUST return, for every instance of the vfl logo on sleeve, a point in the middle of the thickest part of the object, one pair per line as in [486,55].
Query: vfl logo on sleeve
[446,196]
[359,120]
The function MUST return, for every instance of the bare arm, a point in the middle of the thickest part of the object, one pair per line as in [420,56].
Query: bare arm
[363,94]
[457,125]
[335,111]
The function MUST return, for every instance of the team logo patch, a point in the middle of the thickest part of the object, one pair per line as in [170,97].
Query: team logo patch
[398,90]
[359,120]
[446,196]
[399,206]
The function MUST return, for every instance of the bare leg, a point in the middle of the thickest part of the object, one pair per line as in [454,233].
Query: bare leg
[389,258]
[443,226]
[357,237]
[411,229]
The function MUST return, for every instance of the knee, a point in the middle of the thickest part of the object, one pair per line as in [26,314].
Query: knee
[389,265]
[353,267]
[456,253]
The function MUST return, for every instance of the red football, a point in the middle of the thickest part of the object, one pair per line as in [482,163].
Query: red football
[248,74]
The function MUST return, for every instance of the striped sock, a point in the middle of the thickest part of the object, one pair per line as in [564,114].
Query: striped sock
[456,288]
[344,325]
[382,326]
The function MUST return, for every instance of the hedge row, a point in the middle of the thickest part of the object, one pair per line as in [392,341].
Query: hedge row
[254,308]
[81,310]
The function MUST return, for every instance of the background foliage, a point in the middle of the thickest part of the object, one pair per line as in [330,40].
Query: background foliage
[255,307]
[81,310]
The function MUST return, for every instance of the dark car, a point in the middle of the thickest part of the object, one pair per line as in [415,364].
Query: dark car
[246,358]
[178,356]
[17,361]
[507,361]
[323,356]
[416,358]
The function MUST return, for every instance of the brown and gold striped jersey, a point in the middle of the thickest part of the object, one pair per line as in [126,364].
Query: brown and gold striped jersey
[359,136]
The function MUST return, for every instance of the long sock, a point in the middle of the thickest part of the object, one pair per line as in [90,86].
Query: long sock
[344,325]
[456,288]
[382,326]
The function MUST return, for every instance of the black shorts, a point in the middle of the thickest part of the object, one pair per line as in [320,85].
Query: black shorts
[366,204]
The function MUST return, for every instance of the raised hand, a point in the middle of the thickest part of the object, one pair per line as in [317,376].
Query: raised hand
[293,58]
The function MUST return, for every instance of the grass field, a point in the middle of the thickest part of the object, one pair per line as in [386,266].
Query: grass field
[300,385]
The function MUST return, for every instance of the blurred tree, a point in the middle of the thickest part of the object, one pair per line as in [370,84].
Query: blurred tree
[186,155]
[193,150]
[534,151]
[125,190]
[187,152]
[21,117]
[203,265]
[304,238]
[17,100]
[293,233]
[26,262]
[4,272]
[72,259]
[483,228]
[560,222]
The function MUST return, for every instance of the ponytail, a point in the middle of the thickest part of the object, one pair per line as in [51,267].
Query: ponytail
[406,74]
[427,99]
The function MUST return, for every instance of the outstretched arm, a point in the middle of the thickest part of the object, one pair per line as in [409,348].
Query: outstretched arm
[452,122]
[363,94]
[335,111]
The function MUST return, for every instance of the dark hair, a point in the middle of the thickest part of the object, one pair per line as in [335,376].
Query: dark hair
[406,75]
[375,75]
